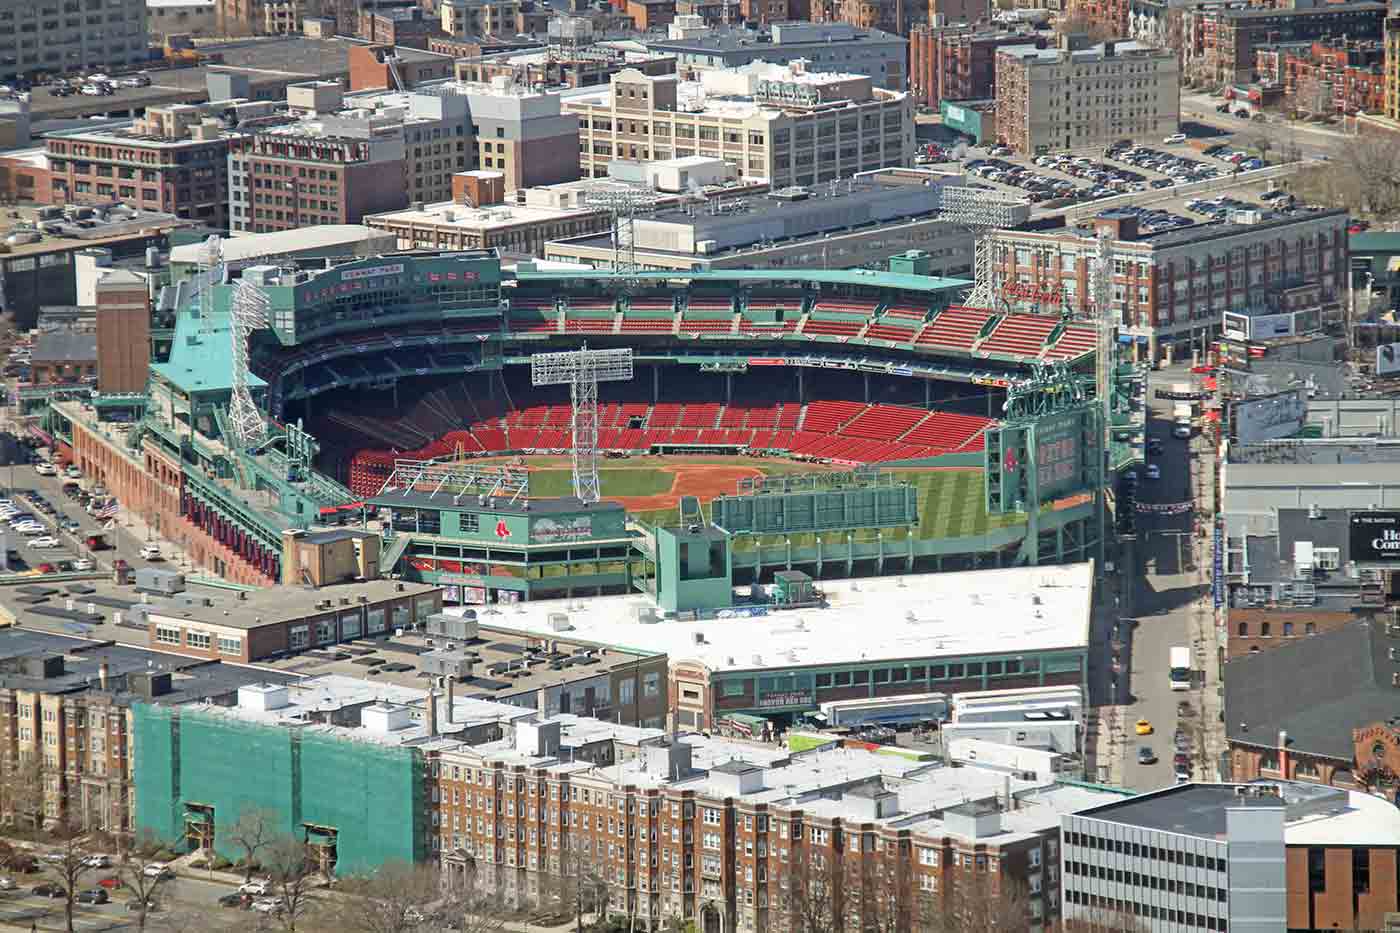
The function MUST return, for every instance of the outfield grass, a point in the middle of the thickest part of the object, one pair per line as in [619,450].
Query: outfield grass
[951,504]
[643,482]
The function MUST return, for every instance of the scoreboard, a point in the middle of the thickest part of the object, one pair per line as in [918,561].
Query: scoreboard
[1041,459]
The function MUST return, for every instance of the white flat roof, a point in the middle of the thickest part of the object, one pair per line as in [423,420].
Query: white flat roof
[1005,611]
[498,216]
[1367,821]
[283,242]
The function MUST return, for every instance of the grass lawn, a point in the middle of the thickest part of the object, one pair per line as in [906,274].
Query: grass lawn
[548,483]
[951,504]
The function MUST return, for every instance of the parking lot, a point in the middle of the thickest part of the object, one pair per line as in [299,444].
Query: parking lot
[1065,180]
[40,535]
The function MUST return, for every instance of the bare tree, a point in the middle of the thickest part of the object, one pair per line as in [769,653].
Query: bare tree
[1101,920]
[583,884]
[289,867]
[253,831]
[976,902]
[70,863]
[808,897]
[394,899]
[143,876]
[22,782]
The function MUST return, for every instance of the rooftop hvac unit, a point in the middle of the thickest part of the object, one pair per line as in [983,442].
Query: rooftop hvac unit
[559,622]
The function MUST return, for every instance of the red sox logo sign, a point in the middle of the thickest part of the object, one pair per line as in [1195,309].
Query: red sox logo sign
[502,531]
[1009,462]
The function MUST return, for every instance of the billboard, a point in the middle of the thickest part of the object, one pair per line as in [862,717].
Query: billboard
[1061,448]
[1375,537]
[1270,417]
[1387,359]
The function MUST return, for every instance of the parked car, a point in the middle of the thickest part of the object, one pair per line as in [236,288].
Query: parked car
[258,887]
[158,870]
[1175,139]
[1145,755]
[151,552]
[72,472]
[45,469]
[98,861]
[8,884]
[93,896]
[84,565]
[241,901]
[48,889]
[267,905]
[45,541]
[136,904]
[110,882]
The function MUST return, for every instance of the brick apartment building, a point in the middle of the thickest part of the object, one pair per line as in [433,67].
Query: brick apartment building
[1172,288]
[1391,65]
[742,836]
[174,160]
[400,28]
[957,62]
[1076,97]
[768,12]
[1219,41]
[1326,77]
[373,67]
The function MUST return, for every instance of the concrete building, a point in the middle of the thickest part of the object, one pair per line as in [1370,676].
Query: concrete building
[838,226]
[275,621]
[181,17]
[958,62]
[780,672]
[1172,288]
[1391,68]
[558,66]
[340,241]
[823,46]
[1256,857]
[463,18]
[780,123]
[516,227]
[54,40]
[1085,98]
[735,835]
[174,159]
[1219,41]
[39,267]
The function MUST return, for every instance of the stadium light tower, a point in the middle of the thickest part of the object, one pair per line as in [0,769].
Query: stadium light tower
[248,312]
[1105,326]
[624,204]
[211,270]
[582,370]
[982,211]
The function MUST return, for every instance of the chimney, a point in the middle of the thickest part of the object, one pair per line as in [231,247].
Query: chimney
[451,698]
[102,671]
[1283,754]
[432,713]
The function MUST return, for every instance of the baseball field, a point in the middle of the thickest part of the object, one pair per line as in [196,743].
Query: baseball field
[951,500]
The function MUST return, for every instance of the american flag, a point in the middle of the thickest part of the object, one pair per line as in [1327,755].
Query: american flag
[106,512]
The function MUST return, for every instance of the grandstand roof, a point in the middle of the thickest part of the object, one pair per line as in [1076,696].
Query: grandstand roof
[201,358]
[926,283]
[1011,610]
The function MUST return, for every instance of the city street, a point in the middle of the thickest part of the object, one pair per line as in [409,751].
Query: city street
[1166,610]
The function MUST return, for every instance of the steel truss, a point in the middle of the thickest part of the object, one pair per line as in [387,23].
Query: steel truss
[582,370]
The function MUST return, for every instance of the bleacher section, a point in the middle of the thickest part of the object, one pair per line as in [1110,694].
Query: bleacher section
[1075,340]
[956,328]
[1019,335]
[839,431]
[588,316]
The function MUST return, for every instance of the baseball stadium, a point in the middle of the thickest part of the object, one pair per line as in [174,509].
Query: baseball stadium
[516,433]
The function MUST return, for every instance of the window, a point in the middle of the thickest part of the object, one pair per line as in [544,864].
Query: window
[299,636]
[167,635]
[651,684]
[197,639]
